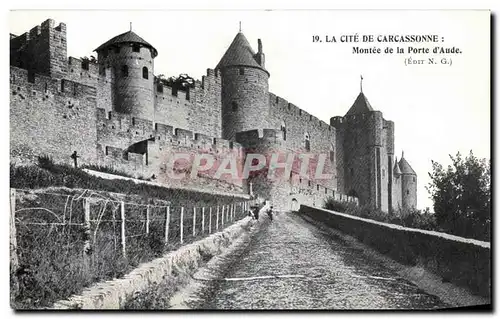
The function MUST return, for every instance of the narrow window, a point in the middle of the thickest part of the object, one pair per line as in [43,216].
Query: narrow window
[407,192]
[242,71]
[307,142]
[234,106]
[317,187]
[47,87]
[160,88]
[124,70]
[145,73]
[283,129]
[62,85]
[136,48]
[414,179]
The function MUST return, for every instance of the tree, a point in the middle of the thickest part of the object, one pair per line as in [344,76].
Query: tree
[183,82]
[462,196]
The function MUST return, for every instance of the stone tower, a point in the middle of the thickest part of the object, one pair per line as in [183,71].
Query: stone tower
[367,144]
[245,88]
[408,184]
[130,58]
[42,50]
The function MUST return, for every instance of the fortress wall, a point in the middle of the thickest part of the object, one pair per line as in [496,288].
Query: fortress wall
[117,132]
[337,122]
[198,110]
[59,120]
[397,202]
[384,166]
[205,115]
[121,130]
[357,157]
[171,109]
[78,73]
[104,87]
[282,190]
[298,122]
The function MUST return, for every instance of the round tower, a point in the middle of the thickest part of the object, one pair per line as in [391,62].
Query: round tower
[408,184]
[245,88]
[131,60]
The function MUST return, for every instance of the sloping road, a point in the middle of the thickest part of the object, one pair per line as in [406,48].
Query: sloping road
[319,272]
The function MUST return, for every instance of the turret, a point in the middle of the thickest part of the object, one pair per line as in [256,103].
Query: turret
[245,88]
[131,60]
[408,184]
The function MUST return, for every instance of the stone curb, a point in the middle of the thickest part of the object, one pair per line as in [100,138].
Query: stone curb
[112,294]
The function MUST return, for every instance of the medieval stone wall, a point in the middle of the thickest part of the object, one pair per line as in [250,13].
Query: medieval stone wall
[51,117]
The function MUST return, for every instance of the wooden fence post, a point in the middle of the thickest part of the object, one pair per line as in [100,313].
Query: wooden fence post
[147,219]
[87,247]
[222,216]
[194,221]
[217,220]
[167,224]
[182,225]
[210,220]
[14,261]
[124,248]
[203,220]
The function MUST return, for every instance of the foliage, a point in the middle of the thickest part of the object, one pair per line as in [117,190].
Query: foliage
[183,82]
[413,218]
[462,196]
[50,253]
[47,174]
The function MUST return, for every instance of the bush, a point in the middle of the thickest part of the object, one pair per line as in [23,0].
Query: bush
[46,162]
[50,257]
[413,218]
[337,206]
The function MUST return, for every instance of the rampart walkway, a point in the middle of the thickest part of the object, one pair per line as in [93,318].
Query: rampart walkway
[292,264]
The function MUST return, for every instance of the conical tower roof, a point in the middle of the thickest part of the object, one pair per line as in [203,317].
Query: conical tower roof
[239,53]
[405,167]
[127,37]
[361,105]
[397,170]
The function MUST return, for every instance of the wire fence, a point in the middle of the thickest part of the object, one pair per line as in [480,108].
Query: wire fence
[87,237]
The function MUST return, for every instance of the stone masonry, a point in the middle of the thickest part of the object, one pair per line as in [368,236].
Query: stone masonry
[114,111]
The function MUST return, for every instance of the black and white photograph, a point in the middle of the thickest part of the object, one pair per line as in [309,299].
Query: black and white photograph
[250,160]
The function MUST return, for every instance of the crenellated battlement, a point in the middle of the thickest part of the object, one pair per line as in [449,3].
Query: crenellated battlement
[115,112]
[261,138]
[79,66]
[48,85]
[45,28]
[283,106]
[133,129]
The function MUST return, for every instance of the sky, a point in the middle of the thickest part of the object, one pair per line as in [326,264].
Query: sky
[438,109]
